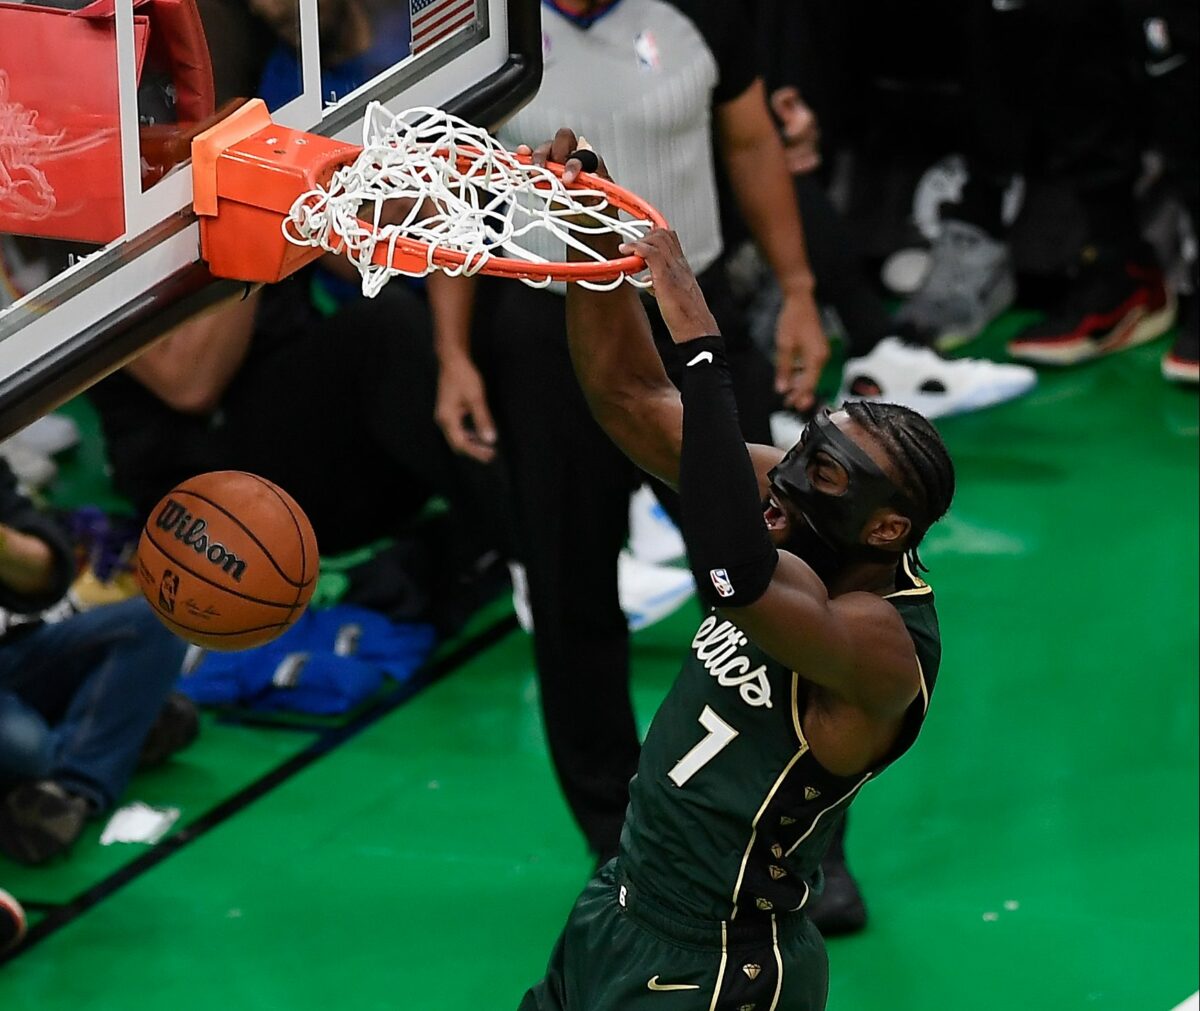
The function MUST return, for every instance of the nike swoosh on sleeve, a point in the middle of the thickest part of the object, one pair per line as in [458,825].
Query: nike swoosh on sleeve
[703,356]
[1165,66]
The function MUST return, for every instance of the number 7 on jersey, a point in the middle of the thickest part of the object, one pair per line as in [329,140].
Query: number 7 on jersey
[719,735]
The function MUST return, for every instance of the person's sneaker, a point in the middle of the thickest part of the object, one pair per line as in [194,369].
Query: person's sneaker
[650,592]
[922,380]
[49,435]
[1111,306]
[1182,363]
[839,910]
[520,595]
[12,922]
[653,535]
[970,282]
[39,821]
[177,726]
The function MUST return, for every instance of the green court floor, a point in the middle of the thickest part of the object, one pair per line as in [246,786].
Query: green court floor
[1036,850]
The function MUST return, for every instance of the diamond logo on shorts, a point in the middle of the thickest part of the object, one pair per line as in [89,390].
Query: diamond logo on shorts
[751,970]
[654,984]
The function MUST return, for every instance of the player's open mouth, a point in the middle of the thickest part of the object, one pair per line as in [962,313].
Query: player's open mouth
[774,515]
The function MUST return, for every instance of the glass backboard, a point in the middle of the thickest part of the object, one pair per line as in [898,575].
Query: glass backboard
[99,248]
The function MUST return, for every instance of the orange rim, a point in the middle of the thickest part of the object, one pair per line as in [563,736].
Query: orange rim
[406,253]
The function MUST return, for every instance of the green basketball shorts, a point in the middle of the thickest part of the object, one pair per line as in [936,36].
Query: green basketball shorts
[620,951]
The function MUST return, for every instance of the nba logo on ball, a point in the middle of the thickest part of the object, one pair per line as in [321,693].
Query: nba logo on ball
[720,579]
[227,560]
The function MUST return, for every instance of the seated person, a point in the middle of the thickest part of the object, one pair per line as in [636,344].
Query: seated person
[335,406]
[83,699]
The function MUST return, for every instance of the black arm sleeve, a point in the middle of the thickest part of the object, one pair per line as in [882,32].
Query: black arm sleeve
[18,512]
[729,549]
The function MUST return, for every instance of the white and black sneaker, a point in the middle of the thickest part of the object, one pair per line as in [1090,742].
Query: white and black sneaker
[919,378]
[970,282]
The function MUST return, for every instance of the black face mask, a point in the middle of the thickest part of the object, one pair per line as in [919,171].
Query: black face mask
[837,520]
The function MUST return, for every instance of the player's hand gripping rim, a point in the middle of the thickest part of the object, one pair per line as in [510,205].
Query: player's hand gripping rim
[680,299]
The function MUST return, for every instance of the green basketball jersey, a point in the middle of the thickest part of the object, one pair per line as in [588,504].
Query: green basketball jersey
[729,810]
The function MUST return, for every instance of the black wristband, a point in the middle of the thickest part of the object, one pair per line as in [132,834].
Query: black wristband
[690,352]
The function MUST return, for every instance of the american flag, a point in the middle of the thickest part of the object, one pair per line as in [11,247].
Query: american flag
[433,20]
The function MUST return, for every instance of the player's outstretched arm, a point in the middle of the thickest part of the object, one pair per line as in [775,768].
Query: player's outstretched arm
[855,645]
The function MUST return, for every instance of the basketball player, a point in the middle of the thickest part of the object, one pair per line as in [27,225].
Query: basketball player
[809,676]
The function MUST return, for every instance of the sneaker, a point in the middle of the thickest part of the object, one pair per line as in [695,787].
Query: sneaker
[12,922]
[839,910]
[49,435]
[1182,363]
[177,726]
[33,470]
[653,536]
[1111,306]
[520,595]
[39,821]
[970,282]
[650,592]
[919,378]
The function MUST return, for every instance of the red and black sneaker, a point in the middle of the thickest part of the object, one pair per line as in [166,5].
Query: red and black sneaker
[1112,305]
[1182,363]
[12,922]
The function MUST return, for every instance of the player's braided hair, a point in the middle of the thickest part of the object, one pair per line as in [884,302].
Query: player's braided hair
[926,470]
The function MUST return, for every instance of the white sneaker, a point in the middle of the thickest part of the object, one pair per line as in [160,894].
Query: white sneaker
[650,592]
[653,536]
[786,428]
[33,470]
[520,588]
[921,379]
[49,435]
[970,282]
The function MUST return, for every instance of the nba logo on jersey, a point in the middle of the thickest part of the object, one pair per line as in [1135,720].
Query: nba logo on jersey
[646,50]
[720,579]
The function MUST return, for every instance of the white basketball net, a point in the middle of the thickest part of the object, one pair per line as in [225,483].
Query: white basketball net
[484,209]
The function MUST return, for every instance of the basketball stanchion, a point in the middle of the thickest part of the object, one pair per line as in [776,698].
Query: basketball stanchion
[425,191]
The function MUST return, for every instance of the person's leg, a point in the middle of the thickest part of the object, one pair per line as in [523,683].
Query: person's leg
[970,279]
[571,491]
[1167,42]
[841,282]
[99,679]
[839,909]
[26,744]
[1090,132]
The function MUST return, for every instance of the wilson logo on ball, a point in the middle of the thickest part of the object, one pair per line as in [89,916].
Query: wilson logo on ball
[189,530]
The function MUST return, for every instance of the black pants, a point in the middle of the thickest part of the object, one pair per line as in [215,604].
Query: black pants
[571,489]
[841,282]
